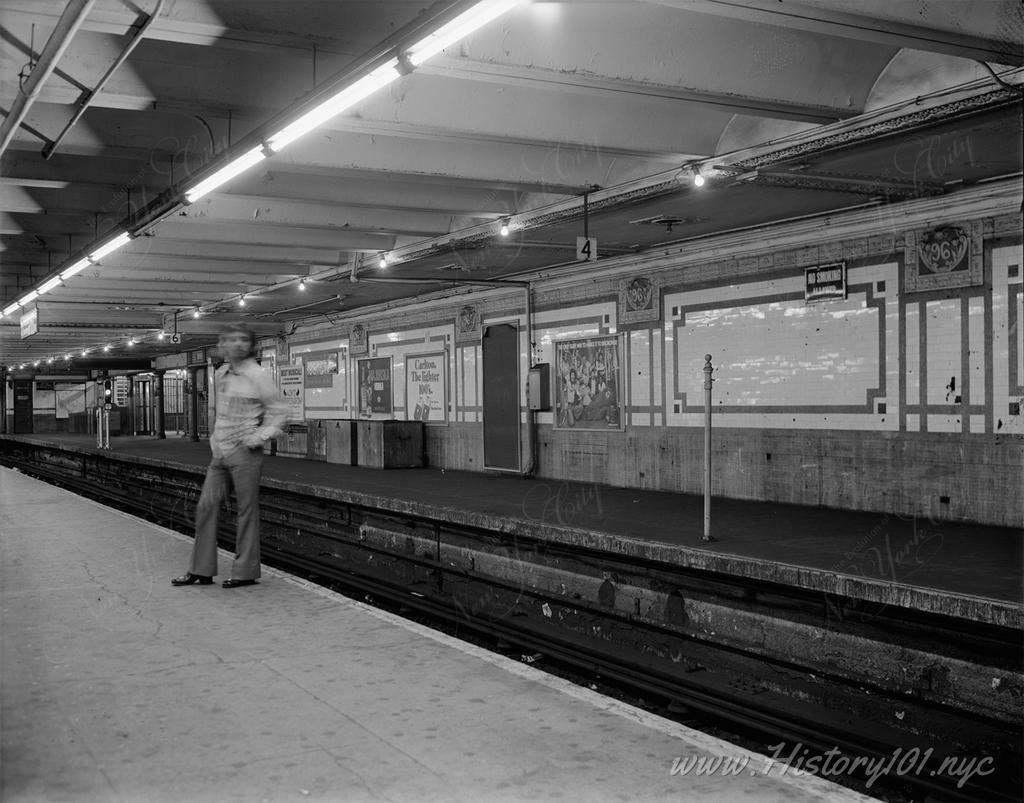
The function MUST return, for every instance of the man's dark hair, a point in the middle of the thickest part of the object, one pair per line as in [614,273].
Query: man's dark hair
[246,330]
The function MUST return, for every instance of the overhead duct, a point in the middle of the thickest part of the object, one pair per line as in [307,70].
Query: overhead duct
[68,24]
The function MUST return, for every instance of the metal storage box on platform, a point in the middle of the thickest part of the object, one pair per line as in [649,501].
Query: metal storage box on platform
[341,442]
[390,444]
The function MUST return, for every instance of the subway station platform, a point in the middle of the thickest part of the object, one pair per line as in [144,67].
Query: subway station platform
[964,570]
[117,686]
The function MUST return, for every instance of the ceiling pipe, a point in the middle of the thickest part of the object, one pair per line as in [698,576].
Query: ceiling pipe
[84,103]
[70,21]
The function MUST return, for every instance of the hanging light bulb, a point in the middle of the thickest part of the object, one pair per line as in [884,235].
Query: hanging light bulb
[85,352]
[504,228]
[131,341]
[106,347]
[383,260]
[698,179]
[302,285]
[241,300]
[195,313]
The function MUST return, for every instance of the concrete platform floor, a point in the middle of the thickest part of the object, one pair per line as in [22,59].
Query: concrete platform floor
[117,686]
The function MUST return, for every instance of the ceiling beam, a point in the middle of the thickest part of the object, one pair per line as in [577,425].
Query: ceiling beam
[254,234]
[222,208]
[829,22]
[611,89]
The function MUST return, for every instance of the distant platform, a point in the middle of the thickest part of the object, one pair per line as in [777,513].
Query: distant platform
[957,569]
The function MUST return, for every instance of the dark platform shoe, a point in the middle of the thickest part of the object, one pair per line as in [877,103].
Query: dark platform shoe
[236,583]
[188,579]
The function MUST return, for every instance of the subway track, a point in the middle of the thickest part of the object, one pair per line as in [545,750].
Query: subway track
[517,593]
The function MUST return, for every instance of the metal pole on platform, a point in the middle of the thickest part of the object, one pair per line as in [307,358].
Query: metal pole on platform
[707,448]
[103,427]
[193,405]
[158,403]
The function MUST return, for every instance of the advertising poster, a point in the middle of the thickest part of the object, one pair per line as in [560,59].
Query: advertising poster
[70,399]
[589,383]
[373,377]
[321,368]
[290,380]
[326,380]
[426,397]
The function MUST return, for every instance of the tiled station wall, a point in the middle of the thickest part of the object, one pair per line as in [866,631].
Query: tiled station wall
[904,403]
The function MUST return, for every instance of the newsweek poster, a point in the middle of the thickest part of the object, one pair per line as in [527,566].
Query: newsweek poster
[373,377]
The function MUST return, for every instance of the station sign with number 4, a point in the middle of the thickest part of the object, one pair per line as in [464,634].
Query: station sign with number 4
[586,249]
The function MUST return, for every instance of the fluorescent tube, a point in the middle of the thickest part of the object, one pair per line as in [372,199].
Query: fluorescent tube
[46,288]
[226,173]
[346,98]
[75,269]
[110,246]
[460,27]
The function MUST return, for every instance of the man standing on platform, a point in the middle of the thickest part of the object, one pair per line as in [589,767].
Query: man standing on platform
[250,411]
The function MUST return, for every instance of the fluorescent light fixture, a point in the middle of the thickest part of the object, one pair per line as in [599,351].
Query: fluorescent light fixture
[346,98]
[12,309]
[48,286]
[29,297]
[226,173]
[460,27]
[110,246]
[75,269]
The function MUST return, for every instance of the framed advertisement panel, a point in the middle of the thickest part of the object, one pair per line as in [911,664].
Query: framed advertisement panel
[373,381]
[589,383]
[290,382]
[426,387]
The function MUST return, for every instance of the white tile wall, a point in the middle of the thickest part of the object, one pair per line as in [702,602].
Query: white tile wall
[1002,258]
[976,352]
[942,319]
[639,367]
[913,359]
[944,423]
